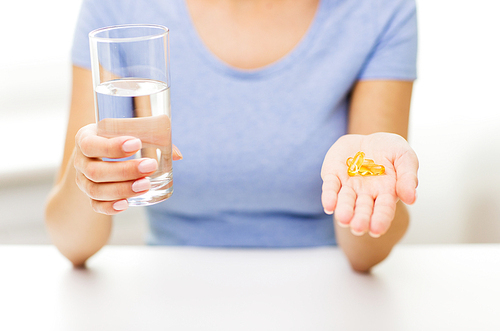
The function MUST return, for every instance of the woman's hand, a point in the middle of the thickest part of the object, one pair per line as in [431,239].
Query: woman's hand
[368,203]
[109,184]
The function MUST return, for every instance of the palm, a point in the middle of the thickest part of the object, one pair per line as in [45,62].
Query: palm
[368,203]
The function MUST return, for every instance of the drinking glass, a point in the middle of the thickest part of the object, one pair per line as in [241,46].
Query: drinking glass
[130,73]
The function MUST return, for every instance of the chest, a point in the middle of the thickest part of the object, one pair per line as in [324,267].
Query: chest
[251,34]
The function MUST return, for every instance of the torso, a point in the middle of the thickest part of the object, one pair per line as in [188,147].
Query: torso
[251,34]
[253,141]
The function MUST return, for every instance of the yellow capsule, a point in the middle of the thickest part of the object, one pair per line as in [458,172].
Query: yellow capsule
[348,162]
[365,171]
[371,170]
[356,164]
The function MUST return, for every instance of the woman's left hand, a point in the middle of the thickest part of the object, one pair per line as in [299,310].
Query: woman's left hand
[368,203]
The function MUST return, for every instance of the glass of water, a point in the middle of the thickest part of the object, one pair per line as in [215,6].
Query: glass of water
[130,72]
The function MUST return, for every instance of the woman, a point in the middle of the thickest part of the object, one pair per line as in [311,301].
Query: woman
[266,96]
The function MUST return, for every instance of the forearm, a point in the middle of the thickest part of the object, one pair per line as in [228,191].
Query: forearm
[364,252]
[75,229]
[377,106]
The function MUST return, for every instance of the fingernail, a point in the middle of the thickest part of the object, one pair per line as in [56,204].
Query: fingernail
[342,225]
[177,151]
[148,165]
[141,185]
[131,145]
[328,212]
[120,205]
[356,233]
[374,235]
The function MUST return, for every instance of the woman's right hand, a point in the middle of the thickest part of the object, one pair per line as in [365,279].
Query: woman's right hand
[109,184]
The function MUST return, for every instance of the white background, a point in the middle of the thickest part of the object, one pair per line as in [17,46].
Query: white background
[455,120]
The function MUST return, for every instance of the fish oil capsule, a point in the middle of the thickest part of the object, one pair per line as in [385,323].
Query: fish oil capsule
[365,171]
[371,170]
[348,162]
[356,164]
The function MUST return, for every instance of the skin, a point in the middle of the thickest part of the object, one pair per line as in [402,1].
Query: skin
[378,125]
[247,35]
[88,185]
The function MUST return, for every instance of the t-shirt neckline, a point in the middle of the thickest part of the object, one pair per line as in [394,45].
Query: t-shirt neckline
[219,65]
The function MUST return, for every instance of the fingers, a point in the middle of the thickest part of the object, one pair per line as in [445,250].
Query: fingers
[406,175]
[176,153]
[114,148]
[112,191]
[109,207]
[110,197]
[406,188]
[99,172]
[109,184]
[362,213]
[345,206]
[383,214]
[95,146]
[330,189]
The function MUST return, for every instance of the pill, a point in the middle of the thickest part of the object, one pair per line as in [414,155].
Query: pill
[371,170]
[365,161]
[358,165]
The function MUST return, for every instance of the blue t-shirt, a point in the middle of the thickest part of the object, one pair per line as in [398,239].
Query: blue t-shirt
[253,141]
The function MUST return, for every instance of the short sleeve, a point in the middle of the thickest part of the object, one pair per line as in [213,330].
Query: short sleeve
[394,55]
[93,14]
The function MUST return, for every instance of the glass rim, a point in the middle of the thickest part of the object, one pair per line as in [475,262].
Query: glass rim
[93,34]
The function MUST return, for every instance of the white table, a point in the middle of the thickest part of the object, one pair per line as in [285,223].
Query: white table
[164,288]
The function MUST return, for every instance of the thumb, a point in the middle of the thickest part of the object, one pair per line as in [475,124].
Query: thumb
[406,177]
[176,153]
